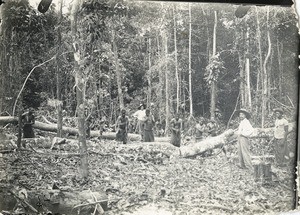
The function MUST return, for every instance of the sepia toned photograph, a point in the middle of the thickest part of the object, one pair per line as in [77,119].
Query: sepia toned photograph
[147,107]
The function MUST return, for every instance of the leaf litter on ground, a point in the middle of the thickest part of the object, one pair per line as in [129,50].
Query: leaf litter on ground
[142,177]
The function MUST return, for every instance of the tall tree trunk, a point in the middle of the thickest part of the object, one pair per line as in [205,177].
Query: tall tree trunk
[2,76]
[58,78]
[80,91]
[242,78]
[118,73]
[213,97]
[247,72]
[265,75]
[279,54]
[2,57]
[167,85]
[176,63]
[161,81]
[149,74]
[259,82]
[190,62]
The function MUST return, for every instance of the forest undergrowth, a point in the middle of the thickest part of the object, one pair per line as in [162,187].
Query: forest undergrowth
[142,178]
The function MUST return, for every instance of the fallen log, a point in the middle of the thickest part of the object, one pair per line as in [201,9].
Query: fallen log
[54,201]
[8,119]
[73,131]
[258,132]
[204,145]
[220,140]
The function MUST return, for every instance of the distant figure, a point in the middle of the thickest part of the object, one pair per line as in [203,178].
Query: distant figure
[122,127]
[139,115]
[28,120]
[199,130]
[147,127]
[176,126]
[89,121]
[280,137]
[245,129]
[212,127]
[159,129]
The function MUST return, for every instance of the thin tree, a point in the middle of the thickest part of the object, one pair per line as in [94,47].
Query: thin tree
[176,62]
[260,71]
[167,84]
[265,74]
[149,74]
[80,91]
[118,72]
[213,83]
[190,62]
[58,76]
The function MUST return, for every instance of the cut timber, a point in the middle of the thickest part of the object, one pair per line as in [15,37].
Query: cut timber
[56,201]
[262,172]
[205,145]
[258,132]
[73,131]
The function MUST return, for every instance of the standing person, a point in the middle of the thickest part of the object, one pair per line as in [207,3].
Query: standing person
[280,136]
[199,129]
[212,127]
[28,119]
[139,115]
[122,127]
[159,129]
[147,127]
[245,129]
[176,126]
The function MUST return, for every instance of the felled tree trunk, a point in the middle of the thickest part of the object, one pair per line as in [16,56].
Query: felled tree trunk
[204,145]
[55,201]
[73,131]
[258,132]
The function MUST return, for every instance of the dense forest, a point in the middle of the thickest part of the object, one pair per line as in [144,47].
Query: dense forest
[78,64]
[192,58]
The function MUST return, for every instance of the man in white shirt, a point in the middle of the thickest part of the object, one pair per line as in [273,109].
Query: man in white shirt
[280,136]
[245,130]
[140,114]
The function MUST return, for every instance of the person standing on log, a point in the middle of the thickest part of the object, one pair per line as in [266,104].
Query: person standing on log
[147,127]
[28,120]
[280,137]
[244,131]
[122,127]
[139,115]
[176,127]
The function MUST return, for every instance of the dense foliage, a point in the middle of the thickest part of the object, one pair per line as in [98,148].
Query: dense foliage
[135,44]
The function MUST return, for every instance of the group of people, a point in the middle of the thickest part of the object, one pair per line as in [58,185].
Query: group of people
[245,130]
[146,126]
[206,128]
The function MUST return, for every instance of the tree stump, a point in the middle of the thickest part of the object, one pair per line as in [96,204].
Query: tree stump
[262,172]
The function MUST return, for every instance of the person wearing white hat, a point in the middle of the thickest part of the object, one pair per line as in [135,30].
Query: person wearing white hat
[280,136]
[140,115]
[244,131]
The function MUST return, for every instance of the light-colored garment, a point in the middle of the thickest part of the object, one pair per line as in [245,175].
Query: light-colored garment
[245,128]
[244,132]
[140,114]
[244,152]
[279,131]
